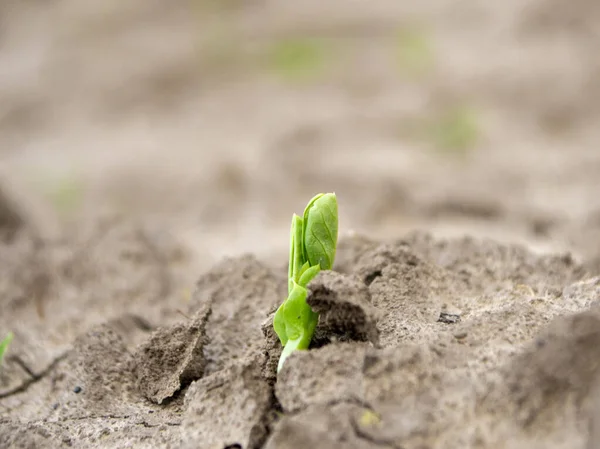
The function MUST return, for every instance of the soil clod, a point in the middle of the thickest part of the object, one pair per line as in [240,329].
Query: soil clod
[229,408]
[172,357]
[344,307]
[241,293]
[321,376]
[322,427]
[448,318]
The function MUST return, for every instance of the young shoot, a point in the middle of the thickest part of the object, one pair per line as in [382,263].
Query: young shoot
[313,241]
[4,345]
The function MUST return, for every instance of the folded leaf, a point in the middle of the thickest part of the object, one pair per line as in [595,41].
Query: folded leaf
[321,230]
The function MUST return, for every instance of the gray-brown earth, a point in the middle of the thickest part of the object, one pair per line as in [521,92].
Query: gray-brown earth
[422,343]
[152,156]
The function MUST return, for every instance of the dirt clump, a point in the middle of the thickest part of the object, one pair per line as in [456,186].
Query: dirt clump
[171,358]
[344,307]
[99,378]
[559,367]
[330,426]
[230,408]
[89,398]
[240,292]
[485,266]
[408,291]
[325,375]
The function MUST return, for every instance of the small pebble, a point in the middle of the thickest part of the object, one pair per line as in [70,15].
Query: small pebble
[77,390]
[460,335]
[448,318]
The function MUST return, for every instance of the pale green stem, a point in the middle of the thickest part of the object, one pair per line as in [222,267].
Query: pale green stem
[301,343]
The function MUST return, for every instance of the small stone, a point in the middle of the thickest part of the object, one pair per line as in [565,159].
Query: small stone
[460,335]
[448,318]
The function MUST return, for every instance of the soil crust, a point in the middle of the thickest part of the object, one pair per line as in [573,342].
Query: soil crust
[422,342]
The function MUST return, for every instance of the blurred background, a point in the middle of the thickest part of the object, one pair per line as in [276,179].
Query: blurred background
[218,119]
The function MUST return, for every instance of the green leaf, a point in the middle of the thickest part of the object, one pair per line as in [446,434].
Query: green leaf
[279,324]
[321,230]
[294,317]
[298,320]
[297,257]
[303,270]
[309,275]
[297,313]
[4,345]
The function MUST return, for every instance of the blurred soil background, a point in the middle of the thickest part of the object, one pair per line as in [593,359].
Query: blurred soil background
[215,120]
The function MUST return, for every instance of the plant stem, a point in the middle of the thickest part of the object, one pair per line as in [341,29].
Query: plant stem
[290,346]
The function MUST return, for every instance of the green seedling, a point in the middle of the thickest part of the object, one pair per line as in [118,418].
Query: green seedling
[298,59]
[313,241]
[415,54]
[456,132]
[66,195]
[4,345]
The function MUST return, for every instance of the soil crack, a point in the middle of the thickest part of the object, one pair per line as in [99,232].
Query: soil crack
[100,417]
[19,361]
[35,377]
